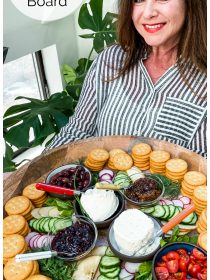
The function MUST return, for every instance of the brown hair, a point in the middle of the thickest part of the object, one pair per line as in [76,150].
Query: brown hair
[192,47]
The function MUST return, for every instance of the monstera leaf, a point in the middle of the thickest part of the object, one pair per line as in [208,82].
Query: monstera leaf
[90,17]
[44,117]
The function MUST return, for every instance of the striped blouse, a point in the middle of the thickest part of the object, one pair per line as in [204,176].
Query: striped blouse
[133,105]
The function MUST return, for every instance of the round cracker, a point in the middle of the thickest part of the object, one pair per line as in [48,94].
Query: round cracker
[39,277]
[176,165]
[114,152]
[195,178]
[203,240]
[122,161]
[13,224]
[31,192]
[141,149]
[17,205]
[200,193]
[17,270]
[99,155]
[13,245]
[159,156]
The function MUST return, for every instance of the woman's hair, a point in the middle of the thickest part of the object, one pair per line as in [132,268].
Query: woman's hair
[192,47]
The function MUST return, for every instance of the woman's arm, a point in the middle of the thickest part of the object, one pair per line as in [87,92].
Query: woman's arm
[82,124]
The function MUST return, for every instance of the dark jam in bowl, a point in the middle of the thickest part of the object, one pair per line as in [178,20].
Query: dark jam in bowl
[74,240]
[144,189]
[68,176]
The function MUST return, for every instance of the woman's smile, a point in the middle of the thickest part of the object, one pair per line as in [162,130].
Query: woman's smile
[153,28]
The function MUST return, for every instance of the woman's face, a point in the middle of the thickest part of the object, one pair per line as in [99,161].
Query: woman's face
[159,22]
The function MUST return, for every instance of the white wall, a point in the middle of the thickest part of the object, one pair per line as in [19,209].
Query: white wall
[24,35]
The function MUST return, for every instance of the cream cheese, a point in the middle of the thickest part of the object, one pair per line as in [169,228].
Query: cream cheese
[99,204]
[132,230]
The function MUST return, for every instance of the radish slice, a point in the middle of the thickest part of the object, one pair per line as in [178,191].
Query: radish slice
[185,200]
[35,245]
[131,267]
[180,196]
[40,240]
[106,171]
[178,202]
[162,202]
[125,275]
[31,242]
[168,202]
[30,235]
[105,177]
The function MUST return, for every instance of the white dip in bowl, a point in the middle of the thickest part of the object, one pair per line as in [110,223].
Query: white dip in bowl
[99,204]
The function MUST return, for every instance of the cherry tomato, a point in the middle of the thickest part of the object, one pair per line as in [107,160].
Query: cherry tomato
[161,264]
[182,251]
[183,265]
[162,273]
[193,260]
[173,266]
[180,275]
[198,254]
[172,277]
[164,259]
[172,255]
[194,269]
[203,274]
[205,263]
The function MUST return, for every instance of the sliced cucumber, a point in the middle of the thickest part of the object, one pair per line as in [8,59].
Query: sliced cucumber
[61,224]
[167,212]
[109,262]
[172,209]
[175,212]
[148,210]
[188,219]
[102,277]
[113,274]
[109,252]
[104,270]
[180,208]
[159,211]
[194,220]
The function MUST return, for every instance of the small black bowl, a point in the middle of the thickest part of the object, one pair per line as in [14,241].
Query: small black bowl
[172,247]
[107,222]
[134,259]
[61,168]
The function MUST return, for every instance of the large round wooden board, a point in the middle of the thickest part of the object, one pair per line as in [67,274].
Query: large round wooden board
[38,168]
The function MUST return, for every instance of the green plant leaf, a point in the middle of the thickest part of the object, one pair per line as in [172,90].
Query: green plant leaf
[8,164]
[44,117]
[104,28]
[68,73]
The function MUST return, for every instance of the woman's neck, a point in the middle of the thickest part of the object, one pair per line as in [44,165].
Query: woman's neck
[159,61]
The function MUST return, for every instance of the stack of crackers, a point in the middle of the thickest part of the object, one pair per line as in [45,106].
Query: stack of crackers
[19,205]
[112,153]
[96,159]
[38,277]
[176,169]
[37,197]
[15,224]
[122,161]
[141,155]
[192,179]
[202,221]
[202,240]
[158,161]
[200,199]
[20,270]
[12,245]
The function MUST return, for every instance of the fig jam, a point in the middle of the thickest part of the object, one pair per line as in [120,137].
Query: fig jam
[74,240]
[143,189]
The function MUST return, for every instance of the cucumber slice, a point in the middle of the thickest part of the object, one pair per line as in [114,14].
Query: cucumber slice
[31,222]
[104,270]
[175,212]
[109,252]
[167,212]
[102,277]
[159,211]
[172,209]
[51,224]
[188,219]
[109,262]
[46,226]
[61,224]
[194,220]
[113,274]
[148,210]
[42,222]
[180,208]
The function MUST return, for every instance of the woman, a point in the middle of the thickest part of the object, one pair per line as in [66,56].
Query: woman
[153,83]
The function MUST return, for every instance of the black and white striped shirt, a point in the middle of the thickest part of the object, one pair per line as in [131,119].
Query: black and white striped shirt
[133,105]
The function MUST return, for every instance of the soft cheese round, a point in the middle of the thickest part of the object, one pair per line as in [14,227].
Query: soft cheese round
[132,230]
[99,204]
